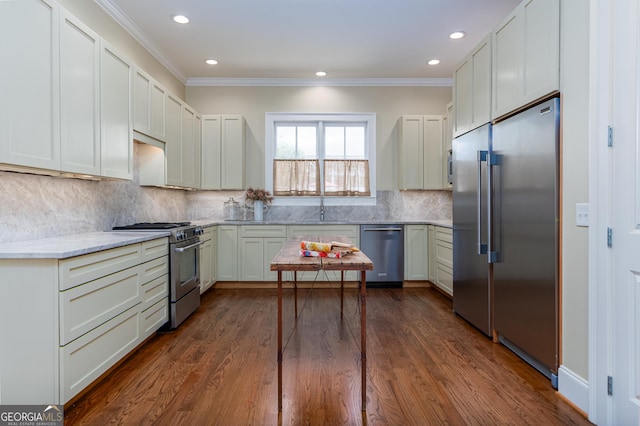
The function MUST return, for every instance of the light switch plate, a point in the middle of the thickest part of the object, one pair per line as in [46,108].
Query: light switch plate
[582,214]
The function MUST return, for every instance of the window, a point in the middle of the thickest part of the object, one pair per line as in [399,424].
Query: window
[311,155]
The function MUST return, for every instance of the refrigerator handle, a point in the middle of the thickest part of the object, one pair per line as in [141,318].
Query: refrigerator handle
[493,160]
[482,247]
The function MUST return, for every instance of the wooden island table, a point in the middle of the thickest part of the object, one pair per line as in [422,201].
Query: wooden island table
[289,259]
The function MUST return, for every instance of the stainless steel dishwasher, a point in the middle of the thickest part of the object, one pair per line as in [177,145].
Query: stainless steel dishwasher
[384,245]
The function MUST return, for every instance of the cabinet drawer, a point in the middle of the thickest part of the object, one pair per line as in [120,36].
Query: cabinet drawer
[82,269]
[444,254]
[155,248]
[262,231]
[156,268]
[350,231]
[154,317]
[444,234]
[85,307]
[85,359]
[444,279]
[154,291]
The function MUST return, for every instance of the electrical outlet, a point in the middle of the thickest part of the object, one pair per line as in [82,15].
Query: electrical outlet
[582,214]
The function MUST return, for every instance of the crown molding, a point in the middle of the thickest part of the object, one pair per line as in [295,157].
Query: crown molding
[121,18]
[355,82]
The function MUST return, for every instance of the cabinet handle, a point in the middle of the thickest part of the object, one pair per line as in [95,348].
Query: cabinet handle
[182,249]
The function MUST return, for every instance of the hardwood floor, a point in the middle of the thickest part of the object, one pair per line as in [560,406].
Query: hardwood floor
[425,366]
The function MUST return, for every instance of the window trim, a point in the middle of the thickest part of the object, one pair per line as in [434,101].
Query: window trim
[292,117]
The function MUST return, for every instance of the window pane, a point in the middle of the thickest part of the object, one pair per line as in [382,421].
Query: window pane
[285,142]
[355,142]
[307,142]
[334,142]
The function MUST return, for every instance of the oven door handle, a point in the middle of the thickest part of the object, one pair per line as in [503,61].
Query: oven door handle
[190,246]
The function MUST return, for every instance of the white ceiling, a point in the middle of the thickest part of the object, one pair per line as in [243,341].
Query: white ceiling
[292,39]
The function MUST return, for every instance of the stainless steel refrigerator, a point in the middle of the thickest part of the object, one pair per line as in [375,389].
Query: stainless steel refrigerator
[505,229]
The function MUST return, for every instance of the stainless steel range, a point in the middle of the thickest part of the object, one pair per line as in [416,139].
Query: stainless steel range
[184,266]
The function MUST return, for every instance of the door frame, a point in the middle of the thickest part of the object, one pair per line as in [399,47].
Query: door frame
[600,181]
[601,261]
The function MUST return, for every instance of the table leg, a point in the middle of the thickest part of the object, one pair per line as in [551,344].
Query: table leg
[279,341]
[341,292]
[295,291]
[363,337]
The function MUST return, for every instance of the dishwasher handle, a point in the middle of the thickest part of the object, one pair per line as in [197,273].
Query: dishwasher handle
[382,229]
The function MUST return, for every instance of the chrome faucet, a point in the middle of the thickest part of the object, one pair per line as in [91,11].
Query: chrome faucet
[321,208]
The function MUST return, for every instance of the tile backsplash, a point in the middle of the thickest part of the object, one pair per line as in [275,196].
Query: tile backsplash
[34,207]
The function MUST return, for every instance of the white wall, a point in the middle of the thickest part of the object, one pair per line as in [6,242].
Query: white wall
[575,189]
[389,103]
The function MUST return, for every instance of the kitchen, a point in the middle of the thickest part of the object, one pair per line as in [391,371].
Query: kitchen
[83,206]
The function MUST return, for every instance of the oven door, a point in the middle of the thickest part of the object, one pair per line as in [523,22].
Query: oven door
[185,267]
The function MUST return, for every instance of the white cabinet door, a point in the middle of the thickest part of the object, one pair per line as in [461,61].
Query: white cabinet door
[541,50]
[416,266]
[431,230]
[462,96]
[472,89]
[252,259]
[149,99]
[158,111]
[211,148]
[116,113]
[506,70]
[173,145]
[188,147]
[79,97]
[223,152]
[272,247]
[205,262]
[526,55]
[420,151]
[29,84]
[432,151]
[411,146]
[227,253]
[232,152]
[142,101]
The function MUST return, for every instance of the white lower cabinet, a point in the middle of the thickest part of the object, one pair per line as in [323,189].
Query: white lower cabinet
[444,259]
[227,255]
[73,319]
[258,245]
[208,258]
[416,253]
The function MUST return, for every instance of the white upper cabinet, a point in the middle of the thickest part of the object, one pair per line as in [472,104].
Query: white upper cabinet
[149,98]
[421,156]
[79,97]
[223,152]
[77,88]
[173,145]
[472,89]
[29,84]
[116,113]
[526,55]
[190,148]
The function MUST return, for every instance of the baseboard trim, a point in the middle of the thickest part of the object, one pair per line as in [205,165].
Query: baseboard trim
[574,390]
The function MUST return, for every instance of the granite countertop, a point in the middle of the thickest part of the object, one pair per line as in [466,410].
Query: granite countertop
[212,222]
[74,245]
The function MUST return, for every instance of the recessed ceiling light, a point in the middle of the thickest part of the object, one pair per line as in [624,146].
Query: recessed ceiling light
[211,61]
[434,62]
[180,19]
[321,73]
[457,35]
